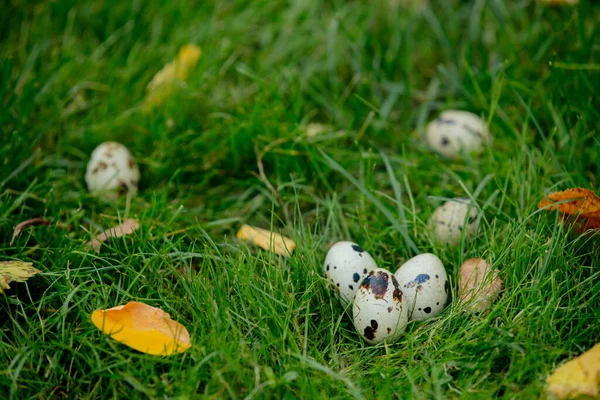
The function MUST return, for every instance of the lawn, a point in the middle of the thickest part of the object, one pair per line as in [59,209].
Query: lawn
[74,74]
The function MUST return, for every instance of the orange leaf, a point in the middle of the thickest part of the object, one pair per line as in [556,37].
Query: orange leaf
[125,228]
[580,376]
[144,328]
[580,203]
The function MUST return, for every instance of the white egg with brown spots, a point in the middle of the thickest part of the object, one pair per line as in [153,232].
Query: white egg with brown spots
[112,171]
[346,264]
[454,132]
[425,286]
[379,309]
[454,220]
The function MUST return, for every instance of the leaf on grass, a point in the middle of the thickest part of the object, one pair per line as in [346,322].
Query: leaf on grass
[125,228]
[560,2]
[578,377]
[144,328]
[580,203]
[15,271]
[315,129]
[162,84]
[30,222]
[267,240]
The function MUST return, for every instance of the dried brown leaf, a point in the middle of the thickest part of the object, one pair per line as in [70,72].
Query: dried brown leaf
[30,222]
[125,228]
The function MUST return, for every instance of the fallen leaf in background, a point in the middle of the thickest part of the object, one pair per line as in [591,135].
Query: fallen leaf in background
[478,284]
[162,84]
[560,2]
[267,240]
[15,271]
[578,377]
[78,104]
[315,129]
[144,328]
[580,203]
[125,228]
[30,222]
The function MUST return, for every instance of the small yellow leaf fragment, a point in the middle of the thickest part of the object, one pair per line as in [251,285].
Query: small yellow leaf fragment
[125,228]
[560,2]
[315,129]
[578,377]
[144,328]
[162,84]
[267,240]
[15,271]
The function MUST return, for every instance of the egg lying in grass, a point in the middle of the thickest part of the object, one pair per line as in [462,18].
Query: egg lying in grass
[454,132]
[346,263]
[452,220]
[379,309]
[425,286]
[112,171]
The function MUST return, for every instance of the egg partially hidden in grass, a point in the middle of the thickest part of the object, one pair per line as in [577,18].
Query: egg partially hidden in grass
[112,171]
[424,282]
[379,310]
[453,220]
[346,264]
[455,131]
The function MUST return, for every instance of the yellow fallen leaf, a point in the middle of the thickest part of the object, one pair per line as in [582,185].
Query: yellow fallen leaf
[578,377]
[267,240]
[15,271]
[560,2]
[144,328]
[315,129]
[163,83]
[125,228]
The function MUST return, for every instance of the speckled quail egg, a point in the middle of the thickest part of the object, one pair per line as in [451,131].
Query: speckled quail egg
[346,264]
[456,217]
[112,170]
[379,309]
[456,131]
[425,286]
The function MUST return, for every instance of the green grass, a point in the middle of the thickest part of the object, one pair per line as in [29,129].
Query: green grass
[263,326]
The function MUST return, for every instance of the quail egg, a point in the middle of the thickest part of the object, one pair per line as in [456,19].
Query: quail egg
[454,219]
[456,131]
[379,309]
[112,170]
[425,286]
[345,266]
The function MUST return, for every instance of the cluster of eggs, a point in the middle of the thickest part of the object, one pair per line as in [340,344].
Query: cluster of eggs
[383,302]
